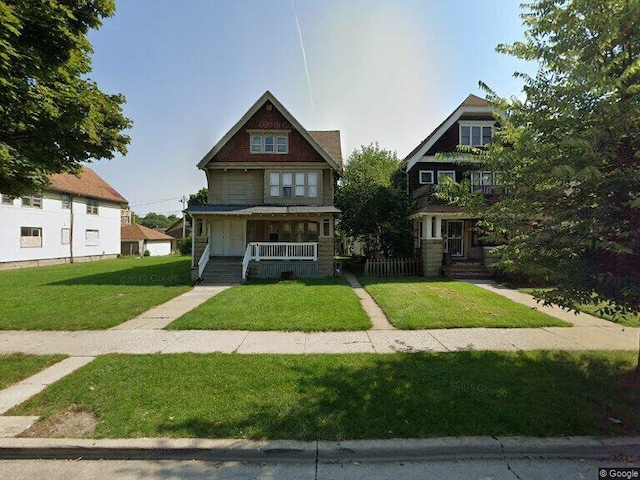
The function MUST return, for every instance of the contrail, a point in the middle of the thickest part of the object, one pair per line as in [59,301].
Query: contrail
[304,55]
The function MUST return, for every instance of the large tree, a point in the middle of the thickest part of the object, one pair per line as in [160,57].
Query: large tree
[374,203]
[52,117]
[569,151]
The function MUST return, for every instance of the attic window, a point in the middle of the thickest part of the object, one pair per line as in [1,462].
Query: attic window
[270,143]
[476,134]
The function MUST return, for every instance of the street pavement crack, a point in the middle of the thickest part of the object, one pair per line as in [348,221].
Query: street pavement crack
[504,457]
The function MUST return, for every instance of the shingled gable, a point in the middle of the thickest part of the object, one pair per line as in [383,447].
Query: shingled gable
[471,104]
[329,137]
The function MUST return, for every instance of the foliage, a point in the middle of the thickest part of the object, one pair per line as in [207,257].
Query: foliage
[184,247]
[571,153]
[156,220]
[373,202]
[201,197]
[146,253]
[52,117]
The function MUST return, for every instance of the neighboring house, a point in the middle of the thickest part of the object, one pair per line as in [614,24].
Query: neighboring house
[75,219]
[178,230]
[444,235]
[270,207]
[136,239]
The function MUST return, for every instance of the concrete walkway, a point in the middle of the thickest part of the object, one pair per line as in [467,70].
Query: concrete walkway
[378,319]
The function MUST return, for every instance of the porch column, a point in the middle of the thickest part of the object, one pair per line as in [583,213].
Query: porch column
[427,222]
[438,232]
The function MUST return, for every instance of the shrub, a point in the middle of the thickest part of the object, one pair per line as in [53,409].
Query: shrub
[185,246]
[146,253]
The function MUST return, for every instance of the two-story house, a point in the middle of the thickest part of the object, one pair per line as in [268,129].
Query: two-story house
[76,219]
[270,207]
[444,235]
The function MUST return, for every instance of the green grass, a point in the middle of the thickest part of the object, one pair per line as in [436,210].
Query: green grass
[89,296]
[628,320]
[300,305]
[18,366]
[416,303]
[357,396]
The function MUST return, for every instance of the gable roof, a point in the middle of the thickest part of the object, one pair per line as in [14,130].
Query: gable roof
[471,104]
[136,231]
[88,184]
[268,97]
[329,140]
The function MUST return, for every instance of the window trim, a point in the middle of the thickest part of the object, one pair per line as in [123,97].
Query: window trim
[452,172]
[7,200]
[475,123]
[86,237]
[276,144]
[31,198]
[31,230]
[420,172]
[65,201]
[92,204]
[309,190]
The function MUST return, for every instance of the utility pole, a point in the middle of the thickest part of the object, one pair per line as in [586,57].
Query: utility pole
[184,216]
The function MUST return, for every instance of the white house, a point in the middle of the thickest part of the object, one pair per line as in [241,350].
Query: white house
[137,239]
[76,219]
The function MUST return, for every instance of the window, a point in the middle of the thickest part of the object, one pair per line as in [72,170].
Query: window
[65,236]
[326,228]
[91,238]
[312,182]
[92,206]
[486,182]
[30,237]
[32,201]
[66,201]
[286,231]
[274,184]
[298,184]
[269,143]
[442,174]
[476,134]
[287,180]
[274,231]
[312,231]
[425,177]
[7,200]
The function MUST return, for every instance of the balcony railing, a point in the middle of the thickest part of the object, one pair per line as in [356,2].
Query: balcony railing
[424,195]
[284,251]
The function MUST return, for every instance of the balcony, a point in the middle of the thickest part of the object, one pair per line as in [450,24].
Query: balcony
[424,195]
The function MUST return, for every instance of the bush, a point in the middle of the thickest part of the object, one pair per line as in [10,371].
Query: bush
[146,253]
[185,246]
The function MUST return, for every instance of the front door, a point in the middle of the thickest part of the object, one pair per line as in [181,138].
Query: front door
[455,237]
[228,237]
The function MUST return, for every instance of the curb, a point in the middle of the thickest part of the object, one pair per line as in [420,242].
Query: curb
[299,451]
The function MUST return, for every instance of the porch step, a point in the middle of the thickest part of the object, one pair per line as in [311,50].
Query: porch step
[467,270]
[222,271]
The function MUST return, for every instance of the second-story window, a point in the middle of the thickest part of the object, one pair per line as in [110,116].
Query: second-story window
[475,134]
[293,184]
[32,201]
[426,177]
[92,206]
[269,143]
[66,201]
[486,182]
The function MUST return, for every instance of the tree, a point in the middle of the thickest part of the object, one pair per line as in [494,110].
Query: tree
[52,117]
[156,220]
[373,202]
[570,155]
[201,197]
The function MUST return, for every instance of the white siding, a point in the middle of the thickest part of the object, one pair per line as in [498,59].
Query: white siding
[158,248]
[52,219]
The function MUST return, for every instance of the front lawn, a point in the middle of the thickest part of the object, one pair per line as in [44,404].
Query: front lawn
[89,296]
[18,366]
[416,303]
[358,396]
[302,305]
[628,320]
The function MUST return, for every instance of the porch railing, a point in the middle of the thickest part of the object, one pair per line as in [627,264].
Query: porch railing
[245,261]
[204,258]
[284,251]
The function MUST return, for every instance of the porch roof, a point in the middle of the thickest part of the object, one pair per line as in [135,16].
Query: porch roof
[260,209]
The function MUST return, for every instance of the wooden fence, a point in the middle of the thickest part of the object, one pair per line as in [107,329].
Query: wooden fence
[393,267]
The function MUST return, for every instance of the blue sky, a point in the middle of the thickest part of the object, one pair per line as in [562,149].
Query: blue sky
[380,71]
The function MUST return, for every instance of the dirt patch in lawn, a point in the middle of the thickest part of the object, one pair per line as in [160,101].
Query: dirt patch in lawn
[68,423]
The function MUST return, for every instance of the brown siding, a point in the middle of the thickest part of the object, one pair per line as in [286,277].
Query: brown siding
[237,148]
[235,187]
[414,175]
[432,257]
[449,140]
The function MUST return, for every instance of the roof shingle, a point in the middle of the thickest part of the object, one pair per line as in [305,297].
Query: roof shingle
[329,140]
[140,232]
[88,184]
